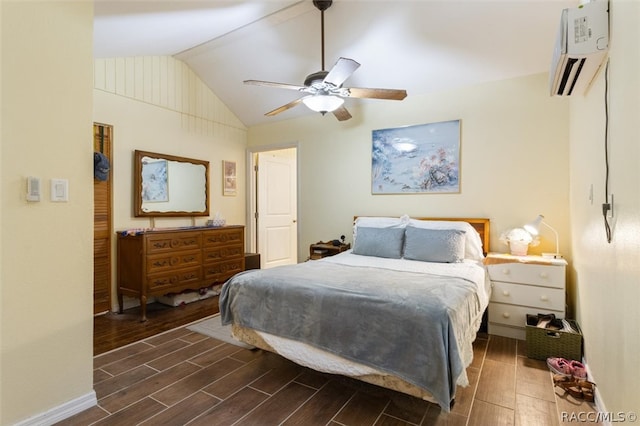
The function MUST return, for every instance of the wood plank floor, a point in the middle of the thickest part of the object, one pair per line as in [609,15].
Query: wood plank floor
[114,330]
[179,377]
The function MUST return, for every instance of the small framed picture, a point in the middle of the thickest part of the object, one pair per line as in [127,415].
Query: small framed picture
[229,182]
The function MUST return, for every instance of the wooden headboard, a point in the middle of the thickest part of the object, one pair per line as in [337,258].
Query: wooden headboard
[481,225]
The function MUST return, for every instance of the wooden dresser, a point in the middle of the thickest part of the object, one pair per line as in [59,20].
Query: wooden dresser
[159,262]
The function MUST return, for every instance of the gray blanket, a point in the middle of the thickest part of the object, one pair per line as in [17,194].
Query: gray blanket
[408,324]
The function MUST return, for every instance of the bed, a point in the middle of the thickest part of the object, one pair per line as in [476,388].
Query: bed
[399,310]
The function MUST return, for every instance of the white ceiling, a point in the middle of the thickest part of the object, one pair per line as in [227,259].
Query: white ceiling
[419,45]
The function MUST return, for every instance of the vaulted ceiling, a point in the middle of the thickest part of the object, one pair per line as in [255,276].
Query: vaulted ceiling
[418,45]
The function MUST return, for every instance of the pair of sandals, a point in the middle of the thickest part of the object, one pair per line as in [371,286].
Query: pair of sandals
[577,388]
[572,377]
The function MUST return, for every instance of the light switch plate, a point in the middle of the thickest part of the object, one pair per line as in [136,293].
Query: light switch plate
[59,190]
[33,189]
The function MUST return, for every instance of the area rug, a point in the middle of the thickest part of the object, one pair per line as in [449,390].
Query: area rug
[213,327]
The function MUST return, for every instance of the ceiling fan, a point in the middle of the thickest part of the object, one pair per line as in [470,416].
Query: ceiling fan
[324,88]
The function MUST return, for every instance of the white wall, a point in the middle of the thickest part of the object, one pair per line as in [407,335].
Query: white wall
[514,156]
[158,104]
[608,274]
[46,262]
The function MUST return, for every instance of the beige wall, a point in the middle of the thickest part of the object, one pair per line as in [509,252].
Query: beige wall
[608,274]
[46,257]
[158,104]
[514,155]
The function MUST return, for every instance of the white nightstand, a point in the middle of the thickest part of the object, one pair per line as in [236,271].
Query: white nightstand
[523,285]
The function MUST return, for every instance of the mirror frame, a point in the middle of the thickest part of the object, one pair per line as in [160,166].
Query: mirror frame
[137,185]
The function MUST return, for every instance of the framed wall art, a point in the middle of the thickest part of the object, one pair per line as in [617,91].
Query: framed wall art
[229,183]
[423,158]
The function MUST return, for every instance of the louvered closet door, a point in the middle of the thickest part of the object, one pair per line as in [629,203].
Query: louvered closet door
[102,139]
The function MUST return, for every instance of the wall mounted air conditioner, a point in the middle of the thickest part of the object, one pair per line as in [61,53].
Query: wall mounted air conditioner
[580,49]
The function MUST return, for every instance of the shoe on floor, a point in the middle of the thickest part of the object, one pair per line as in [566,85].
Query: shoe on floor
[578,370]
[559,366]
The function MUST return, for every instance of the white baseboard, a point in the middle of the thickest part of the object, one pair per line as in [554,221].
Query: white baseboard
[62,412]
[600,408]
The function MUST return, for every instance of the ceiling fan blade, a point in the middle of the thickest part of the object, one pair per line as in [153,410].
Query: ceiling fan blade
[278,85]
[284,107]
[392,94]
[341,71]
[342,114]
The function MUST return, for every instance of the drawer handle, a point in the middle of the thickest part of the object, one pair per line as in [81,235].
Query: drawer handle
[506,315]
[544,298]
[506,293]
[506,271]
[544,275]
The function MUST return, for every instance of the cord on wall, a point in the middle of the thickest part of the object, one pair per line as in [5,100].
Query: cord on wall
[607,205]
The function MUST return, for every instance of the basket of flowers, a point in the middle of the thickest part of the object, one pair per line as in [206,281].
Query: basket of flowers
[518,240]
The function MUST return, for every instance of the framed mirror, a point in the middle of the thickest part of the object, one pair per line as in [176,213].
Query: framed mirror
[168,185]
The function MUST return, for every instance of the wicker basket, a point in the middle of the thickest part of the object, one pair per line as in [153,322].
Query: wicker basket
[543,343]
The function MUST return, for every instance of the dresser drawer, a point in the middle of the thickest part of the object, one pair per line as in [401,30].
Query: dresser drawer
[220,272]
[543,298]
[515,316]
[171,260]
[220,237]
[170,241]
[541,275]
[190,278]
[214,254]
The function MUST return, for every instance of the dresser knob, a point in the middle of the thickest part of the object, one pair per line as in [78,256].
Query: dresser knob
[506,293]
[505,271]
[506,315]
[544,298]
[544,275]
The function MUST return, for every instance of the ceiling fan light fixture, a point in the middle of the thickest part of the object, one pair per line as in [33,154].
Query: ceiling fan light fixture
[323,103]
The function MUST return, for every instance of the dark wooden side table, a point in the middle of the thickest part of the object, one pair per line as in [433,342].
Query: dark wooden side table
[324,249]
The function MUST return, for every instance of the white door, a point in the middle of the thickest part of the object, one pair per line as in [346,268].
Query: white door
[277,208]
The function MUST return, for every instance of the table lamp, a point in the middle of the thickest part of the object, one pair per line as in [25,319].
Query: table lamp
[534,229]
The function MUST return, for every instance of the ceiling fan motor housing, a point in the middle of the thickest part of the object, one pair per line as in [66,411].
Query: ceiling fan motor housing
[316,77]
[322,4]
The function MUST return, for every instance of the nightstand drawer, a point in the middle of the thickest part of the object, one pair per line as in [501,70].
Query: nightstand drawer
[541,275]
[515,316]
[544,298]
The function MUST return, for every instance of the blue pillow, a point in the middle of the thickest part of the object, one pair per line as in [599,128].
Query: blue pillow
[434,245]
[379,242]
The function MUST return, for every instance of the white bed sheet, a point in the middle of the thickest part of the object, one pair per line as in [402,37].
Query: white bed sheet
[317,359]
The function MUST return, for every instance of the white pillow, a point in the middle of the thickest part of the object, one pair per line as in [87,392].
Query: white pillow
[379,222]
[473,243]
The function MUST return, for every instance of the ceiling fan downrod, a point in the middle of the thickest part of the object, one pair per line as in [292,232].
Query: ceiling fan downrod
[322,5]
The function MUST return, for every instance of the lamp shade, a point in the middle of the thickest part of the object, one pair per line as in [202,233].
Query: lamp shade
[533,228]
[323,103]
